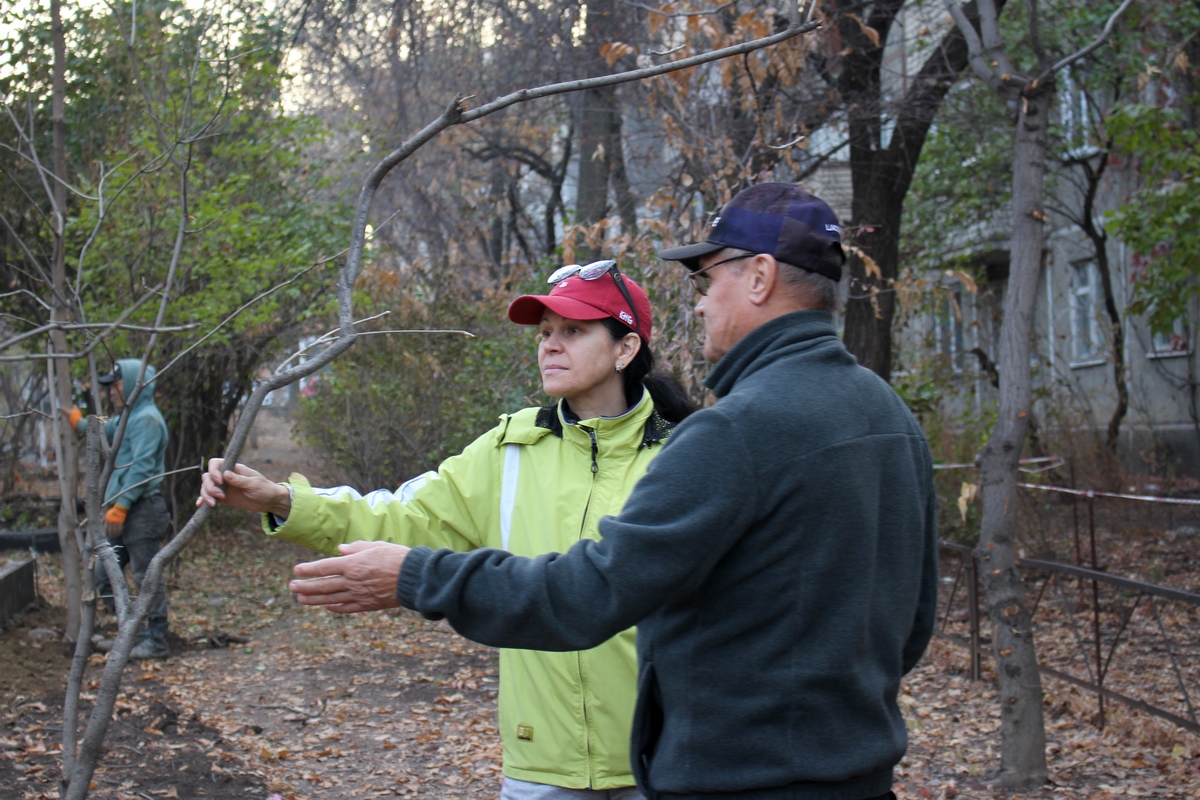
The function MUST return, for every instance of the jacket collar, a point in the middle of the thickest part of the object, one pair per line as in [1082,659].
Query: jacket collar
[654,427]
[799,329]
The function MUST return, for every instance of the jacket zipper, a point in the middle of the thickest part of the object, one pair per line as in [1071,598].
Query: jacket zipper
[595,449]
[587,725]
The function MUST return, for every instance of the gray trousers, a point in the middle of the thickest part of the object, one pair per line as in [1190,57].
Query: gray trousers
[142,535]
[513,789]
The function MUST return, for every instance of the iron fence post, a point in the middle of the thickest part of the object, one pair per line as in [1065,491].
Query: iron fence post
[1091,498]
[973,615]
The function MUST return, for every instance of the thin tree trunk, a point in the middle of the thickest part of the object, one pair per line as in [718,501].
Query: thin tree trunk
[83,647]
[68,467]
[1023,738]
[1118,347]
[1099,239]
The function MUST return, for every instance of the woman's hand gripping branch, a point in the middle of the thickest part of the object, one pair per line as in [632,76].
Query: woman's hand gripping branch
[243,488]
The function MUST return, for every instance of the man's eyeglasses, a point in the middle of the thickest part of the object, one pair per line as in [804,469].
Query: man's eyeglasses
[598,269]
[701,279]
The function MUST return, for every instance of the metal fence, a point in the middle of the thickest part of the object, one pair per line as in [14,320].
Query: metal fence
[1125,640]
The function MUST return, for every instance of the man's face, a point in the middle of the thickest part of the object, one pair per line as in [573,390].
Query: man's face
[723,308]
[116,395]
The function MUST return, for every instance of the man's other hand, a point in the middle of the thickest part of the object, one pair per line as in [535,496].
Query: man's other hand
[363,578]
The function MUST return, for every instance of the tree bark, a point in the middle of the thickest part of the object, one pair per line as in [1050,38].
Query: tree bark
[1022,728]
[67,452]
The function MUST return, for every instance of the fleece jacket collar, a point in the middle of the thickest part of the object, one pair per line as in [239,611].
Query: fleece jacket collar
[761,347]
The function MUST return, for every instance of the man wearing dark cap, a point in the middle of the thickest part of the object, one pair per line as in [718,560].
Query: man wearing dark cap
[137,516]
[779,556]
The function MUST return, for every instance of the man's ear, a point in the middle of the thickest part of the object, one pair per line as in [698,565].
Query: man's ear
[762,278]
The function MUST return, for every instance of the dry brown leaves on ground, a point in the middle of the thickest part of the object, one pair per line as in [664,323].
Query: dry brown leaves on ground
[312,706]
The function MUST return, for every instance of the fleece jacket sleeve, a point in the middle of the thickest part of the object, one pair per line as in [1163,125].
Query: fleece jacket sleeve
[674,528]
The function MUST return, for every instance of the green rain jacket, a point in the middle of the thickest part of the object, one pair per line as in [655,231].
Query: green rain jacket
[534,484]
[139,466]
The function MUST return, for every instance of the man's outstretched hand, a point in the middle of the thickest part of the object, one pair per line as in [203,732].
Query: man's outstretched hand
[363,578]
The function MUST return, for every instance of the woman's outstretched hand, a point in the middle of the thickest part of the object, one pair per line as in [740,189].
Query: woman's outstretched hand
[243,488]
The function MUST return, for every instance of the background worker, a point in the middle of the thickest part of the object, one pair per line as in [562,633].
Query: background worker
[137,518]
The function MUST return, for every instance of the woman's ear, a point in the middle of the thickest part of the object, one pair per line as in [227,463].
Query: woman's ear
[630,345]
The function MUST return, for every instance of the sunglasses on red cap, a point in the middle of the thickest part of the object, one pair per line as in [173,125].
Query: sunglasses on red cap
[590,272]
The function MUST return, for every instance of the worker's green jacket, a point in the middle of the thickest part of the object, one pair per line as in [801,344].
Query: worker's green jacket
[534,484]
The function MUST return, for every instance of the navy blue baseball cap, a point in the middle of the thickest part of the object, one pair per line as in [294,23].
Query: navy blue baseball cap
[778,219]
[111,377]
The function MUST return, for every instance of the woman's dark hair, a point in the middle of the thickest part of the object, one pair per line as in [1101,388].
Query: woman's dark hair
[667,393]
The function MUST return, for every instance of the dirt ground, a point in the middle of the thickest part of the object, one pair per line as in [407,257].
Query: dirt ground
[264,699]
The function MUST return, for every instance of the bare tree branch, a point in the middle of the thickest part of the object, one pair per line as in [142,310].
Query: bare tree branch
[677,14]
[976,47]
[1100,39]
[242,308]
[87,326]
[126,314]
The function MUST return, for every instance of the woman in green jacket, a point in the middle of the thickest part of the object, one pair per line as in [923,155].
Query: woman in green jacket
[536,483]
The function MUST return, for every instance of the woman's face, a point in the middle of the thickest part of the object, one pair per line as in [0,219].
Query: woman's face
[577,357]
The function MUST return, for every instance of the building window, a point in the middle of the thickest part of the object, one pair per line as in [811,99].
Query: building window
[1173,342]
[1087,337]
[948,329]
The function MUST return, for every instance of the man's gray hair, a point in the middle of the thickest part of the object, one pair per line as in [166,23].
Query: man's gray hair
[817,290]
[814,289]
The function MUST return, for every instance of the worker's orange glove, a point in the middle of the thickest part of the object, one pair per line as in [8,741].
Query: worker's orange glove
[74,415]
[114,522]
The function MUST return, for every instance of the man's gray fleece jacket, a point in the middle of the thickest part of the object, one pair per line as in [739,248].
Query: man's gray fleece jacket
[780,561]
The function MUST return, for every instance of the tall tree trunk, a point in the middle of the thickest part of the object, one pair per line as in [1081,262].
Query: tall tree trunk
[596,108]
[1023,738]
[622,190]
[594,126]
[871,303]
[68,465]
[881,175]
